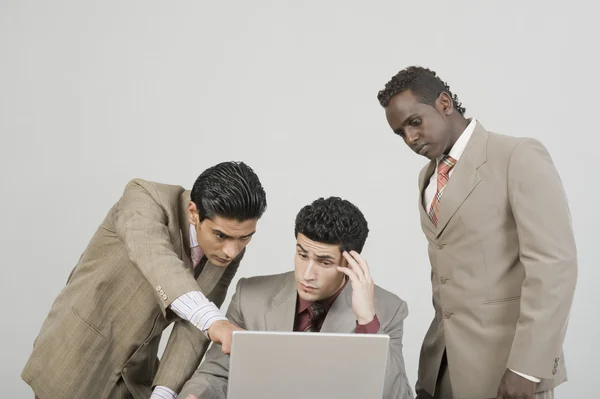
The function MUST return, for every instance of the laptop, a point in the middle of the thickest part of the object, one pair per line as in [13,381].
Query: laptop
[295,365]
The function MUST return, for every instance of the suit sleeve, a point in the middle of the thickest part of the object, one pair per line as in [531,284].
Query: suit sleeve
[548,254]
[396,385]
[141,224]
[187,344]
[210,379]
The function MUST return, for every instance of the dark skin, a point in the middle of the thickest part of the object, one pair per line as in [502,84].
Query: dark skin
[431,131]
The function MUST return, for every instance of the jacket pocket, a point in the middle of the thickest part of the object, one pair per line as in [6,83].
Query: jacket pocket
[502,301]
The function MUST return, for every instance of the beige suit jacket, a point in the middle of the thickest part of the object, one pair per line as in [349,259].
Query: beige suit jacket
[106,324]
[504,267]
[268,303]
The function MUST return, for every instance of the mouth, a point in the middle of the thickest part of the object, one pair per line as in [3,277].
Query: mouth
[307,288]
[222,260]
[421,149]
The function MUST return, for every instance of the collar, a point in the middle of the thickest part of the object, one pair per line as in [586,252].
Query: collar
[459,147]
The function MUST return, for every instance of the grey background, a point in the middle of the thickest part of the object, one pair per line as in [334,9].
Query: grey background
[94,93]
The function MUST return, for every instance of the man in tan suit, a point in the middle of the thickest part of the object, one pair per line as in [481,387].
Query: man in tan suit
[330,234]
[501,248]
[161,255]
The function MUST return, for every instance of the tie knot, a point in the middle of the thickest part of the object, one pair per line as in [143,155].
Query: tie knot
[446,164]
[317,312]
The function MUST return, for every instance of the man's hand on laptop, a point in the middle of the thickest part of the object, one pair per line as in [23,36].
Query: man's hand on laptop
[363,287]
[221,332]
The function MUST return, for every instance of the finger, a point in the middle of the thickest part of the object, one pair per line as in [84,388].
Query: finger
[353,264]
[363,264]
[191,397]
[350,273]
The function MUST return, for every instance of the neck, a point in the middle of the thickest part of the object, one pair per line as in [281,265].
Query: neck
[459,124]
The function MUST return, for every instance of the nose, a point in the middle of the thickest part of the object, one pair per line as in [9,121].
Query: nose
[411,135]
[231,249]
[309,272]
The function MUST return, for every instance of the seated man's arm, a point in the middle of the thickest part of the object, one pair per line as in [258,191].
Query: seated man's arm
[396,383]
[210,379]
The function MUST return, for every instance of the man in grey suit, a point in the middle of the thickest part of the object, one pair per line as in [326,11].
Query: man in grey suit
[331,290]
[501,247]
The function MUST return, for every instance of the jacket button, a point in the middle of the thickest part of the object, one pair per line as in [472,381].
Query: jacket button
[447,314]
[124,370]
[443,279]
[439,246]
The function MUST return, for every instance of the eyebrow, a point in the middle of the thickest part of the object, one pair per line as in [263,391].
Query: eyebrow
[322,257]
[217,231]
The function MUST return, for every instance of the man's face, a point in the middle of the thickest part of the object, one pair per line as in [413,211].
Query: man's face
[316,271]
[425,129]
[221,239]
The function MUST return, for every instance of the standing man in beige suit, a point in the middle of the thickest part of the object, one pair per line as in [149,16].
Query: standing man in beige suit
[330,290]
[501,247]
[162,255]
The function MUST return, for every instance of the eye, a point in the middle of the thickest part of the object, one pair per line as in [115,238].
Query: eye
[400,133]
[326,263]
[301,255]
[221,236]
[416,122]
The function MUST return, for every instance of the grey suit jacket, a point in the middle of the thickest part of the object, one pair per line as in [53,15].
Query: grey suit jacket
[104,327]
[504,267]
[268,303]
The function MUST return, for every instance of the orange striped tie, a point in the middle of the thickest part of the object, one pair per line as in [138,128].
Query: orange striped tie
[444,167]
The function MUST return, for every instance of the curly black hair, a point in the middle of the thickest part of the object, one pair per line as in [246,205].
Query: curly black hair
[333,221]
[422,82]
[231,190]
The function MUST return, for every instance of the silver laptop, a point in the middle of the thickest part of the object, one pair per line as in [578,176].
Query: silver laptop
[294,365]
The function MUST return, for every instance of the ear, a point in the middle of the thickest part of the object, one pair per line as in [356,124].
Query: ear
[193,216]
[444,104]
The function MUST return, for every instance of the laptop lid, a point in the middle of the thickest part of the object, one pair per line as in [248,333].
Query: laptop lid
[295,365]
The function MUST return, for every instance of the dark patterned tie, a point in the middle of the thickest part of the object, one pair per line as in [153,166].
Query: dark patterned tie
[317,314]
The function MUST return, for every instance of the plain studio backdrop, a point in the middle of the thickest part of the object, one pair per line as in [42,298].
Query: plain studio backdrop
[95,93]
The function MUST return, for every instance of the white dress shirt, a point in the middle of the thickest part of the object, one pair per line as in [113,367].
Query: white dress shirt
[456,152]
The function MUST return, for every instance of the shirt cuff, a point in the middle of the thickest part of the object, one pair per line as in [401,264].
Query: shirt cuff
[370,328]
[530,378]
[161,392]
[197,309]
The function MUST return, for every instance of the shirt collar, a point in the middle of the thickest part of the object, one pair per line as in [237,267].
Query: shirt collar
[193,237]
[459,147]
[303,304]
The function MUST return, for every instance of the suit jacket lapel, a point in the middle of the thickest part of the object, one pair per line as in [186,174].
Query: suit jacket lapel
[340,317]
[464,178]
[210,276]
[428,227]
[283,313]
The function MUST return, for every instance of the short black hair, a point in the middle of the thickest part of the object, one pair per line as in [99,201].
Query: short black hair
[422,82]
[333,221]
[230,190]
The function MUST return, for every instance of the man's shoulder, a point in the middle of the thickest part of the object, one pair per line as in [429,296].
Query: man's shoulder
[389,302]
[167,195]
[153,185]
[266,284]
[506,144]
